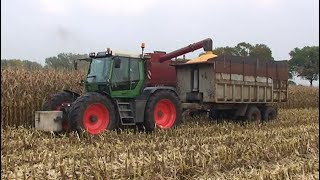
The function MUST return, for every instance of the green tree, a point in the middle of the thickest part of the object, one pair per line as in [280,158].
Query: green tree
[231,51]
[30,65]
[305,63]
[65,61]
[243,49]
[258,51]
[262,52]
[19,64]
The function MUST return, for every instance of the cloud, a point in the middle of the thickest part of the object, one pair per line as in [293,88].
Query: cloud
[97,7]
[115,7]
[54,6]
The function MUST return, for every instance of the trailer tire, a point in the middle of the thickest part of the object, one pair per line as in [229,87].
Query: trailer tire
[197,113]
[253,114]
[214,114]
[269,113]
[163,110]
[92,112]
[55,102]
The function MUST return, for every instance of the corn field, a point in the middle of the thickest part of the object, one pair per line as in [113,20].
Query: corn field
[287,148]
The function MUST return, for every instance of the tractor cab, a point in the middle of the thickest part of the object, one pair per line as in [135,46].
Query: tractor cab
[117,74]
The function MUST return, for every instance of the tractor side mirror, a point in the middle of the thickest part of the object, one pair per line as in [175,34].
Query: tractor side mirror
[75,65]
[117,62]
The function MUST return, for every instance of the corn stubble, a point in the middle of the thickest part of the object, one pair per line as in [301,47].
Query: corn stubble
[287,148]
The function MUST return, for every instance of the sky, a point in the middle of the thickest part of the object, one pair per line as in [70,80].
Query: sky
[37,29]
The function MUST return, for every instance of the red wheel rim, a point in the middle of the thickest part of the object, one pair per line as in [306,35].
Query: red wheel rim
[165,114]
[96,118]
[65,124]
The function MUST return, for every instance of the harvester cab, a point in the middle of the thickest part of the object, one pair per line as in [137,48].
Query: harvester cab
[122,90]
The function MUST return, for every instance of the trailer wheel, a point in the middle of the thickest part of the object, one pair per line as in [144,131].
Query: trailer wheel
[197,113]
[253,114]
[163,110]
[92,112]
[214,114]
[55,102]
[269,113]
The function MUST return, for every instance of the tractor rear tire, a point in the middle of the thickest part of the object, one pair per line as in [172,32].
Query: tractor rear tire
[55,102]
[253,114]
[92,112]
[163,110]
[269,113]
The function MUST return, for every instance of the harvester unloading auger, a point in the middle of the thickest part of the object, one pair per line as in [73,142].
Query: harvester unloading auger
[151,91]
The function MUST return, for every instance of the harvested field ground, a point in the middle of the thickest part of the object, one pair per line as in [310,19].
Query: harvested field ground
[287,148]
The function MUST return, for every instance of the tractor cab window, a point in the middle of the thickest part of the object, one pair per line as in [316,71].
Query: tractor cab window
[99,70]
[120,75]
[134,70]
[126,75]
[134,73]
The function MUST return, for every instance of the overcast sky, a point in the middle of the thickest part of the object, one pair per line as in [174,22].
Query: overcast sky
[36,29]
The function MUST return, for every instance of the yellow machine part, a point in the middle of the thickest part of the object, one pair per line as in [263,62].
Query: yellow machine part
[202,58]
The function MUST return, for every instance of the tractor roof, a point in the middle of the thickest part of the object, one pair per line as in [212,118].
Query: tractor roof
[125,54]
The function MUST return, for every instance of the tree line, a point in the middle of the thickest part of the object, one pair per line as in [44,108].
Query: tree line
[303,62]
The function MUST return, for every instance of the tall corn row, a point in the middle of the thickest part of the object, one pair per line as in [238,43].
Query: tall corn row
[301,97]
[23,92]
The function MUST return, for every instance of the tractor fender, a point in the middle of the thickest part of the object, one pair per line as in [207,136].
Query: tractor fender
[150,90]
[141,101]
[71,92]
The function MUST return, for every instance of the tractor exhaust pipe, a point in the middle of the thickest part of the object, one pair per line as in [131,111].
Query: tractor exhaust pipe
[206,44]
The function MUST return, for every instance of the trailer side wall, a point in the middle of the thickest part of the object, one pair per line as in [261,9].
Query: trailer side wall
[229,79]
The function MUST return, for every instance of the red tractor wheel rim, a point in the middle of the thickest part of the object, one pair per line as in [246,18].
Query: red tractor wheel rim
[165,114]
[96,118]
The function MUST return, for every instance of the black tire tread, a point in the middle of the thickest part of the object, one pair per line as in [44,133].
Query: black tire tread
[250,110]
[79,106]
[149,122]
[265,113]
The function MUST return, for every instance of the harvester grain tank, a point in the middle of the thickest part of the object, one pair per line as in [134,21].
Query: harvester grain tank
[151,91]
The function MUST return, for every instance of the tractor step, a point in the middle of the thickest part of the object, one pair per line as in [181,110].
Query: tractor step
[123,103]
[126,113]
[127,117]
[126,110]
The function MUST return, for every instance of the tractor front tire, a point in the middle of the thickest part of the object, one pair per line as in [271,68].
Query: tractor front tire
[163,110]
[54,103]
[92,112]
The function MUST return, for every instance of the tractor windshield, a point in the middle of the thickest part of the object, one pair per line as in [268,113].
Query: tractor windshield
[99,70]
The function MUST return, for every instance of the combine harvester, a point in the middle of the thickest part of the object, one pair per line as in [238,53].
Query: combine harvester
[151,90]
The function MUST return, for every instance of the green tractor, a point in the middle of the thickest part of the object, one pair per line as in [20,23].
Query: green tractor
[121,90]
